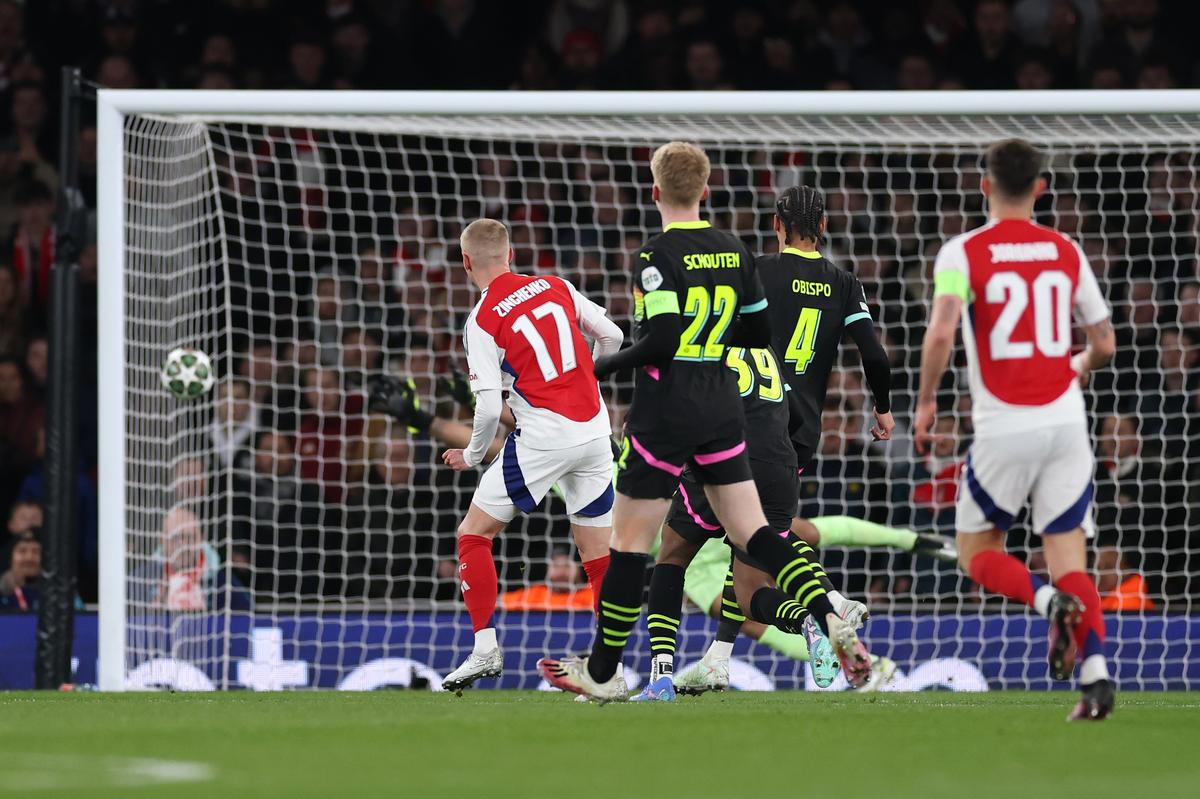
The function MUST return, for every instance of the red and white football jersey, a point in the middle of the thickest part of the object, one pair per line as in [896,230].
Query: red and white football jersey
[523,337]
[1021,282]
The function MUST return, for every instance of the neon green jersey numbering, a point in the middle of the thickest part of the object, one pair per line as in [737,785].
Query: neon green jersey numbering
[700,307]
[759,369]
[802,346]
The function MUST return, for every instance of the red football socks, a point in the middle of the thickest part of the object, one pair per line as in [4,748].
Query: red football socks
[477,576]
[595,570]
[1003,574]
[1089,635]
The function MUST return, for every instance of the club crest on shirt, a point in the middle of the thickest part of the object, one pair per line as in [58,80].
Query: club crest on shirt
[651,278]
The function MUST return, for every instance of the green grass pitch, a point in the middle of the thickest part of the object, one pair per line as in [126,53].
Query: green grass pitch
[520,744]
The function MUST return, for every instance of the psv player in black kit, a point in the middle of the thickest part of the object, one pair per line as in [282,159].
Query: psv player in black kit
[813,303]
[695,294]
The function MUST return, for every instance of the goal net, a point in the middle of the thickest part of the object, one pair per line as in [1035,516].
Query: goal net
[279,534]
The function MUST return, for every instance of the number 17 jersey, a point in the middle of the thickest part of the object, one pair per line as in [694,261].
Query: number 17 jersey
[524,337]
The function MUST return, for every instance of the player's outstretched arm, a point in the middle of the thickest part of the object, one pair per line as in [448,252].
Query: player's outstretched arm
[878,371]
[653,349]
[935,357]
[483,433]
[751,330]
[595,324]
[1092,311]
[1101,347]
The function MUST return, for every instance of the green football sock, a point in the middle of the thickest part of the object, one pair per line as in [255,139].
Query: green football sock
[794,646]
[846,531]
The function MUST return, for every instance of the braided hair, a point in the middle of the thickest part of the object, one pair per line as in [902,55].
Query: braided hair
[800,210]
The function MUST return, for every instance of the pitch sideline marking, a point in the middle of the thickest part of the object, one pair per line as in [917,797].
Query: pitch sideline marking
[34,772]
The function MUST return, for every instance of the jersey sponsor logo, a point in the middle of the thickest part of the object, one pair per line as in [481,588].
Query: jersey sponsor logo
[1024,252]
[645,255]
[712,260]
[812,288]
[526,292]
[651,277]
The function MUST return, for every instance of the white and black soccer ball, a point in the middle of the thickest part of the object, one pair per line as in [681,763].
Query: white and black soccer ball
[187,373]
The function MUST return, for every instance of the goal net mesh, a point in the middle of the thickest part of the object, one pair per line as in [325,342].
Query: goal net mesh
[279,534]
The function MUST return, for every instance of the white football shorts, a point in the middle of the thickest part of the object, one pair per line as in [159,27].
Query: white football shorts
[520,477]
[1051,467]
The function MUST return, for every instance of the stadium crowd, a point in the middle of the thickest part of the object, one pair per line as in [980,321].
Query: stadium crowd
[309,490]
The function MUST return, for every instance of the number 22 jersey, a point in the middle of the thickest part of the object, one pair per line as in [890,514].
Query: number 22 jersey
[1020,282]
[707,277]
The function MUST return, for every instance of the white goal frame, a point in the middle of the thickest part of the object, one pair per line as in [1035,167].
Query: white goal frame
[114,106]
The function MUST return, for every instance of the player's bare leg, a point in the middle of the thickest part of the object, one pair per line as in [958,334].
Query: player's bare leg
[737,507]
[480,588]
[635,524]
[1066,557]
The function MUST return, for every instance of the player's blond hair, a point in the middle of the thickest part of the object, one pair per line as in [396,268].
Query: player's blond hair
[681,172]
[485,240]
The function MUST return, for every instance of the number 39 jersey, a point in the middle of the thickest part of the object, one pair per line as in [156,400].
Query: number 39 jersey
[523,337]
[812,301]
[1020,282]
[708,277]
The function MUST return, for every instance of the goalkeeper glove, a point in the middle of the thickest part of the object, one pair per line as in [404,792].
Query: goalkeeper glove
[457,387]
[398,398]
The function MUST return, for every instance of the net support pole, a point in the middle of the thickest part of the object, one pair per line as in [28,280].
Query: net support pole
[111,366]
[56,616]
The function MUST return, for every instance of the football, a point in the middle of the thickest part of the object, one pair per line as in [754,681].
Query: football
[187,373]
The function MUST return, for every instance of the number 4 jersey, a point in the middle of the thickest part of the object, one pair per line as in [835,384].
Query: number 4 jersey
[524,337]
[812,302]
[1020,282]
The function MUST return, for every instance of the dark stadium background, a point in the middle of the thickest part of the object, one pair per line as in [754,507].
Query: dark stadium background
[581,44]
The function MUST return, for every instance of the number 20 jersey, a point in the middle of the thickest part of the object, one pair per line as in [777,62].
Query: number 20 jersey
[708,277]
[812,301]
[1020,282]
[524,337]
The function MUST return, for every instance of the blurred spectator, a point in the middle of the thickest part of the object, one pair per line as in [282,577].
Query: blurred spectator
[33,245]
[20,586]
[331,437]
[306,64]
[564,588]
[276,519]
[581,59]
[1133,484]
[117,72]
[936,488]
[849,47]
[607,22]
[915,73]
[184,573]
[1034,72]
[37,364]
[33,136]
[33,489]
[984,58]
[235,424]
[13,318]
[705,67]
[1121,587]
[21,418]
[409,522]
[1139,33]
[25,516]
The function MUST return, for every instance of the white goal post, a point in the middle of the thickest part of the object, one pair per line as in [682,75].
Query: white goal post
[166,164]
